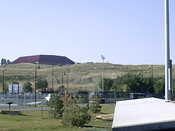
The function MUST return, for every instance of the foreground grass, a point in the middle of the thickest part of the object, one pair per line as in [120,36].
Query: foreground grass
[40,121]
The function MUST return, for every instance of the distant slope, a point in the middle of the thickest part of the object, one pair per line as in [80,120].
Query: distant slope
[78,76]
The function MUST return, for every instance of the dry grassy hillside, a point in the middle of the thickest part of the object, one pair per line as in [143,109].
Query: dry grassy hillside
[79,76]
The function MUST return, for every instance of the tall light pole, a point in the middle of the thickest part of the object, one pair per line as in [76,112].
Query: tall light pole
[3,78]
[52,76]
[67,81]
[102,75]
[3,83]
[152,75]
[35,79]
[62,78]
[168,61]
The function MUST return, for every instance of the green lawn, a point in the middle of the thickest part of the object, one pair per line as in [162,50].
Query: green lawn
[40,121]
[108,108]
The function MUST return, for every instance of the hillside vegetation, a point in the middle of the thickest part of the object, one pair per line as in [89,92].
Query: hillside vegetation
[84,76]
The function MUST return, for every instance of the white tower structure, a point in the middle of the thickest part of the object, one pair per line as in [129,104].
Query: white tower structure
[168,61]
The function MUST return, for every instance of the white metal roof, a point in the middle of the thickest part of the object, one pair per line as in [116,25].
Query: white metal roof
[143,111]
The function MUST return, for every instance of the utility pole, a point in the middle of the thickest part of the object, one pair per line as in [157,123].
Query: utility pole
[168,61]
[3,81]
[152,73]
[52,78]
[67,80]
[62,78]
[35,79]
[102,75]
[3,78]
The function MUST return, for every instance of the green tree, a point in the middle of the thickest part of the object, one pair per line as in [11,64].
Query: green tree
[159,87]
[41,84]
[119,84]
[6,89]
[56,105]
[135,83]
[82,97]
[27,87]
[3,61]
[8,61]
[75,115]
[149,85]
[107,84]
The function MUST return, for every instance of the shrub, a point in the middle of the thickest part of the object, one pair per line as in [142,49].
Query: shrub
[75,115]
[41,84]
[82,99]
[56,105]
[27,87]
[95,106]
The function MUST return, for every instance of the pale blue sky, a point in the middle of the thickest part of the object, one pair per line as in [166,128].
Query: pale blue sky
[124,31]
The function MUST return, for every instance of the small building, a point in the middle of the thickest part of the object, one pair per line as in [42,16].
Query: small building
[147,114]
[15,88]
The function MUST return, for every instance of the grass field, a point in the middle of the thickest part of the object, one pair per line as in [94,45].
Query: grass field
[40,121]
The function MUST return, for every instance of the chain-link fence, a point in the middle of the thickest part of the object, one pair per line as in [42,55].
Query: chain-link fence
[23,102]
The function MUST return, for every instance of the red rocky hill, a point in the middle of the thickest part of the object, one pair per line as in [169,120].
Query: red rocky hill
[45,59]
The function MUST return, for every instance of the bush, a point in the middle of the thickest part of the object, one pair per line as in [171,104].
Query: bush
[27,87]
[41,84]
[56,105]
[95,106]
[82,99]
[159,87]
[75,115]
